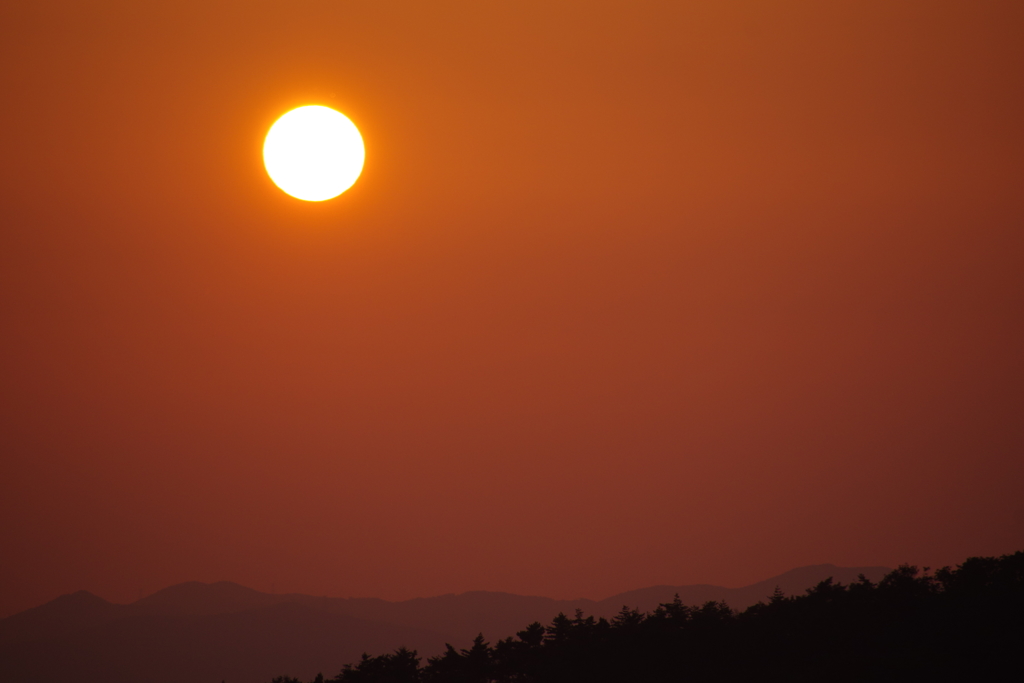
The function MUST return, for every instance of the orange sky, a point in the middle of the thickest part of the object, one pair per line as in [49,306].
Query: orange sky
[629,293]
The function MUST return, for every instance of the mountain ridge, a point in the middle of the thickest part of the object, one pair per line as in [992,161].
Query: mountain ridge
[223,630]
[196,598]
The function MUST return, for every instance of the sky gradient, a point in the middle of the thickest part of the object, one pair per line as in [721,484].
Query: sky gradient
[629,293]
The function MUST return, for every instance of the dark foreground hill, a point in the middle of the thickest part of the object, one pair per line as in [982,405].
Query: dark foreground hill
[963,624]
[196,632]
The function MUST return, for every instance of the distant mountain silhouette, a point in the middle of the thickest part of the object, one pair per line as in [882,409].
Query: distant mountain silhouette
[497,615]
[793,582]
[195,599]
[60,618]
[223,631]
[251,645]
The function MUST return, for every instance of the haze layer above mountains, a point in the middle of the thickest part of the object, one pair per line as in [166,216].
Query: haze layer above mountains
[196,631]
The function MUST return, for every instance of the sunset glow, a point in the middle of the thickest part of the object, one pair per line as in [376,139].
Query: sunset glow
[404,301]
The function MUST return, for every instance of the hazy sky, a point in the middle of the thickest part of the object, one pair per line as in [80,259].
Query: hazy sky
[629,293]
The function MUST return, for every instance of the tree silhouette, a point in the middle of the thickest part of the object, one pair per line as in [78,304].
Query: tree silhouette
[401,667]
[958,624]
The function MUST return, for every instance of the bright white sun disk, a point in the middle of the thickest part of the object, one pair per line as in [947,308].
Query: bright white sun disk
[314,153]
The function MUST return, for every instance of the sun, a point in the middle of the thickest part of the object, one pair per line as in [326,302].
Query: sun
[314,153]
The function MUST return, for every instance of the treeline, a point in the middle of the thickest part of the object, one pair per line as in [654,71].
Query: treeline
[961,624]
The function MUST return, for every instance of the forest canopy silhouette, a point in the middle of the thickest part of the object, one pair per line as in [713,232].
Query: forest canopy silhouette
[963,623]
